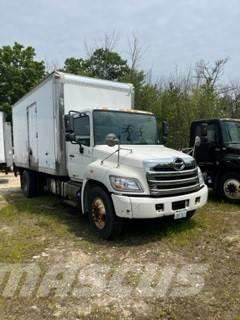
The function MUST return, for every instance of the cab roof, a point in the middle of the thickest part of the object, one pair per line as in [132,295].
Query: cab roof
[124,109]
[216,119]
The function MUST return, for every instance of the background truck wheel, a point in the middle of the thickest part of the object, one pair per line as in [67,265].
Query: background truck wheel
[29,184]
[101,214]
[229,187]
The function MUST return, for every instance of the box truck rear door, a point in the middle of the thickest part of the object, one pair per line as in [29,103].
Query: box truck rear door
[32,135]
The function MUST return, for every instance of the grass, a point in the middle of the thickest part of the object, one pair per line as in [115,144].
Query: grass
[27,226]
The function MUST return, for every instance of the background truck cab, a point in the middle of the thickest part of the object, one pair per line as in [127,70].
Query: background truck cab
[218,155]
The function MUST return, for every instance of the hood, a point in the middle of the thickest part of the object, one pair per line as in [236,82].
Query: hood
[135,155]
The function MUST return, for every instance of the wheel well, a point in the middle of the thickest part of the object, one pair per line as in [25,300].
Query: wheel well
[221,172]
[89,185]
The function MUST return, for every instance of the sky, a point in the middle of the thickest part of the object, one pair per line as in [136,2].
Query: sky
[173,34]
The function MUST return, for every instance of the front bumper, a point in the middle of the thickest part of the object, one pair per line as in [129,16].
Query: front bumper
[144,207]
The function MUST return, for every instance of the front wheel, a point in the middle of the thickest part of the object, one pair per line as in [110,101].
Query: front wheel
[101,214]
[229,186]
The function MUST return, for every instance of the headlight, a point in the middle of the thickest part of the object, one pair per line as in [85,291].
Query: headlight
[122,184]
[200,177]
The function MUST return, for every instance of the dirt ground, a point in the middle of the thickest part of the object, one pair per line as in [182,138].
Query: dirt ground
[158,269]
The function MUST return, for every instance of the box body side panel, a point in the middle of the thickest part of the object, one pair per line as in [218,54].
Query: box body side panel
[2,149]
[39,128]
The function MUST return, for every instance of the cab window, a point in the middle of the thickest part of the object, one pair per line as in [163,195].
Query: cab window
[82,129]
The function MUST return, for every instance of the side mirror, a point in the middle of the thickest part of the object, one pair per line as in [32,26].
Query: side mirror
[204,129]
[68,122]
[111,140]
[83,141]
[70,137]
[197,141]
[165,131]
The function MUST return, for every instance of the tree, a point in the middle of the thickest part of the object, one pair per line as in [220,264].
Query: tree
[134,75]
[76,66]
[208,75]
[19,73]
[103,64]
[106,64]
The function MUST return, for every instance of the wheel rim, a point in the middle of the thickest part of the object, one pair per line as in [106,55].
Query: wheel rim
[99,213]
[231,189]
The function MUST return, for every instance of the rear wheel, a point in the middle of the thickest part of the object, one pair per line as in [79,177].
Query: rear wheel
[229,187]
[101,214]
[29,183]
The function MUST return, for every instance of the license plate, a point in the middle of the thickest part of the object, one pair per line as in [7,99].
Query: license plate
[181,213]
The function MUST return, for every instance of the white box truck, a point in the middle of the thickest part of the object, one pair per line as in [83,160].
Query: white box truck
[81,139]
[6,154]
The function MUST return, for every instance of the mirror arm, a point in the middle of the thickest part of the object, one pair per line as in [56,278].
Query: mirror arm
[110,156]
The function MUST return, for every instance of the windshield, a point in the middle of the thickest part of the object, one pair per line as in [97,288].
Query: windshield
[231,132]
[129,127]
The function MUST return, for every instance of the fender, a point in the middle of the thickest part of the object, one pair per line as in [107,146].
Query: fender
[95,173]
[82,195]
[86,183]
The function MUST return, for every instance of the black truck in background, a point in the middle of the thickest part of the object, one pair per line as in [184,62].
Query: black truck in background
[217,153]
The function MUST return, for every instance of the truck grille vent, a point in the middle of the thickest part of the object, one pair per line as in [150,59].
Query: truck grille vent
[164,180]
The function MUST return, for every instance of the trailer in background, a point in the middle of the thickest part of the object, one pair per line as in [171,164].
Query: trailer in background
[6,154]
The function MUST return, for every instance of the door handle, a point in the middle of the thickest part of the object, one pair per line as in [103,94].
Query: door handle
[71,155]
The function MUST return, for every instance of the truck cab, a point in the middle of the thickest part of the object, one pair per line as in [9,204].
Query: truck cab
[218,155]
[119,157]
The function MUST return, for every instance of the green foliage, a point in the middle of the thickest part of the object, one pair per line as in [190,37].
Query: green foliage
[137,78]
[103,64]
[106,64]
[19,73]
[76,66]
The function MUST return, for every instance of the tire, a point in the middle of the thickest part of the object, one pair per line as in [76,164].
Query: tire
[101,214]
[29,184]
[228,187]
[190,214]
[40,183]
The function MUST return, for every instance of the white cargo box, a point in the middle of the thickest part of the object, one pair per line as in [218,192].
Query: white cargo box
[2,147]
[38,126]
[5,142]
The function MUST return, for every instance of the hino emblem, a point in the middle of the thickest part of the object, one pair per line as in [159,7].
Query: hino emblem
[178,164]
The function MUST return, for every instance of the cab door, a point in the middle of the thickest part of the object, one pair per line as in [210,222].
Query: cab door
[79,154]
[207,153]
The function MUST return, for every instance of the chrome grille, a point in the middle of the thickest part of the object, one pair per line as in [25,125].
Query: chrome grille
[164,180]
